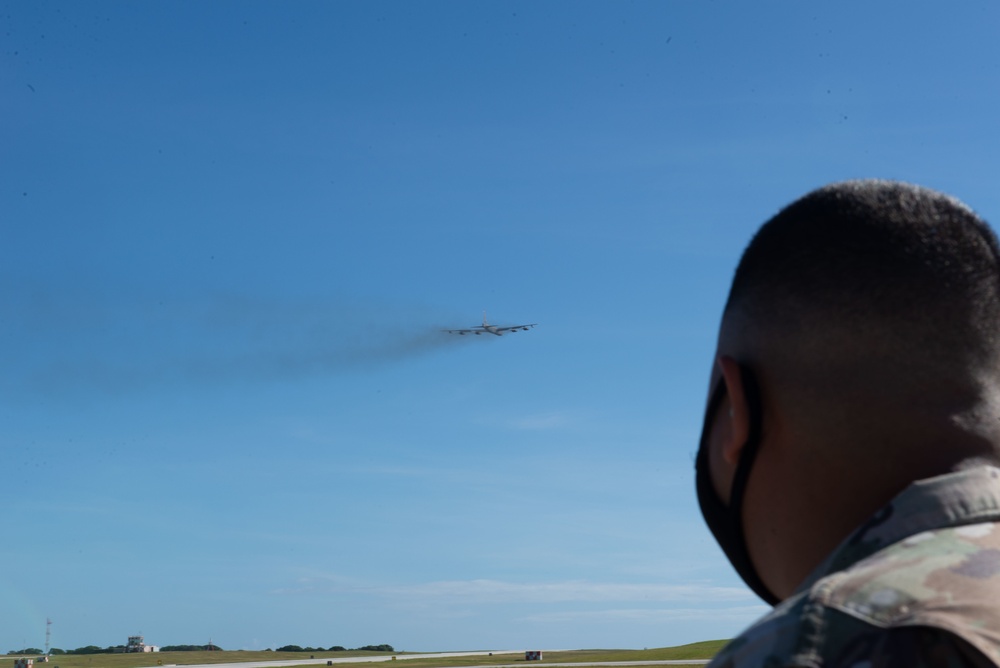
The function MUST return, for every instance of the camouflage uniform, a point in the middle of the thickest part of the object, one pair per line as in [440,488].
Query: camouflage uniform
[916,585]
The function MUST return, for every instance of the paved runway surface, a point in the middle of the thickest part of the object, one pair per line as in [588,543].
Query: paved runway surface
[350,659]
[402,657]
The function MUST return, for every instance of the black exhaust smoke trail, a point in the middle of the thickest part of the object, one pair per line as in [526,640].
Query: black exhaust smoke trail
[115,348]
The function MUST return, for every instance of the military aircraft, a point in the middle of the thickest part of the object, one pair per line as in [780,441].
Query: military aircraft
[487,328]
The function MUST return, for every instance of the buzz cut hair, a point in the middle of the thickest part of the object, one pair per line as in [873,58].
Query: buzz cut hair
[883,269]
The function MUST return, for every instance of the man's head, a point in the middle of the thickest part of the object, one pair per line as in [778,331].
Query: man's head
[864,320]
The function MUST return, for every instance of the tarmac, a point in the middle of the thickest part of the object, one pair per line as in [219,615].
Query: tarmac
[403,657]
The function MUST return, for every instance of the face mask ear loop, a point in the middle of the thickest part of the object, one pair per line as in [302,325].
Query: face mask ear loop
[751,392]
[726,522]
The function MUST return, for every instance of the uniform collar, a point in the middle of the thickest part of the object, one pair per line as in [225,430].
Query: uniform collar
[964,497]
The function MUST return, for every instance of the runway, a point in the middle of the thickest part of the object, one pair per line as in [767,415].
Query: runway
[350,659]
[403,657]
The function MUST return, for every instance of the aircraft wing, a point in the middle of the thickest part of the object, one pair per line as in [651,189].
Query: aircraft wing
[474,330]
[514,328]
[487,328]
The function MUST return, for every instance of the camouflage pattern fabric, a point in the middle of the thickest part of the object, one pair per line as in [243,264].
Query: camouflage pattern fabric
[916,585]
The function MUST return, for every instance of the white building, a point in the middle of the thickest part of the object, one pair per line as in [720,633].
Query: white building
[138,644]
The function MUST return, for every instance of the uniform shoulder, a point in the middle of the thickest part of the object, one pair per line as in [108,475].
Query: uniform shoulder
[947,579]
[939,587]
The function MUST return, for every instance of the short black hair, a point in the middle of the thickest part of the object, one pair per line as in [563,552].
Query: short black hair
[859,262]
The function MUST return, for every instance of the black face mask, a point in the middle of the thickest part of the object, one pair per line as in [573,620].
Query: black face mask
[726,522]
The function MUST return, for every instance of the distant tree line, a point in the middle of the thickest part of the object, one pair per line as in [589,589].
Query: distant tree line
[94,649]
[113,649]
[89,649]
[336,648]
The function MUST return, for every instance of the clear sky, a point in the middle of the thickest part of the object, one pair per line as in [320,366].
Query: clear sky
[230,233]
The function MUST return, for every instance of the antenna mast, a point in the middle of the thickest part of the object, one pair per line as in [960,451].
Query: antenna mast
[48,634]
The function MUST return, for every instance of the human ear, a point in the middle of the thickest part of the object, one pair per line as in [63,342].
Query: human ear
[739,412]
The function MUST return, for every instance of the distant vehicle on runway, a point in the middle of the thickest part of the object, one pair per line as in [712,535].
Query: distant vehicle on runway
[487,328]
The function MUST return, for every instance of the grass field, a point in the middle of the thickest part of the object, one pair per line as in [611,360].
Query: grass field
[698,650]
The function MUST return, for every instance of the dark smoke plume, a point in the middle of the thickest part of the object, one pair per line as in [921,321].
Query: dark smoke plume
[118,347]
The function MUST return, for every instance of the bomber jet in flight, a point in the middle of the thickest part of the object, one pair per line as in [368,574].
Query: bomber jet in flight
[487,328]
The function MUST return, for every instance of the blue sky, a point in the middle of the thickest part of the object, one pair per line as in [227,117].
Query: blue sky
[231,232]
